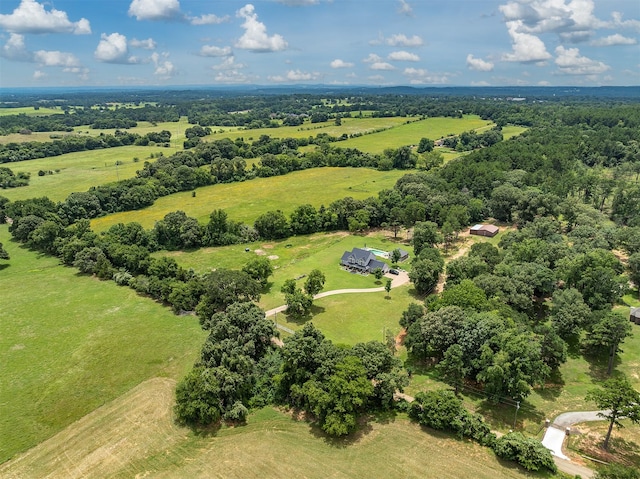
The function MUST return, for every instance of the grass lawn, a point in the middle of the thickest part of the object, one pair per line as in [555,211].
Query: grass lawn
[70,343]
[624,445]
[176,128]
[245,201]
[135,436]
[293,257]
[29,111]
[510,131]
[410,134]
[349,126]
[79,171]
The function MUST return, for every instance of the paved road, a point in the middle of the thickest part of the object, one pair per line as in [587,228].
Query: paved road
[556,433]
[396,280]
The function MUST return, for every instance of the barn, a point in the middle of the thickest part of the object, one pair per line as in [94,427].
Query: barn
[484,230]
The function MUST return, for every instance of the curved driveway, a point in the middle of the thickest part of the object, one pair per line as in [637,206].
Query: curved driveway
[396,280]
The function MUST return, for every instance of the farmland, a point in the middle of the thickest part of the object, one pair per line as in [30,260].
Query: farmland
[68,344]
[245,201]
[135,435]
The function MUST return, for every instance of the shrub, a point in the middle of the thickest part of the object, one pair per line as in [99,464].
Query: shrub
[528,452]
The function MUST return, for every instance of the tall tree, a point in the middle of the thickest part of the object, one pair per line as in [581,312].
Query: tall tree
[3,253]
[606,335]
[314,282]
[620,400]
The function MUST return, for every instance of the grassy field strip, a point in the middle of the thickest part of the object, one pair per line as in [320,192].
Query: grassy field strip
[70,343]
[176,128]
[410,134]
[79,171]
[247,200]
[30,111]
[135,436]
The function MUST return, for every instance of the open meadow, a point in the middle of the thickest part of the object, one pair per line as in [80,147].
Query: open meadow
[71,343]
[136,436]
[79,171]
[247,200]
[30,111]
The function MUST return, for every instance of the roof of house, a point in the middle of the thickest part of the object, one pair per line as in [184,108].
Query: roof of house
[403,252]
[368,259]
[635,312]
[490,228]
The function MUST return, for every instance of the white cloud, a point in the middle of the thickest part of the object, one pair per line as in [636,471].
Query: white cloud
[478,64]
[571,62]
[402,56]
[526,47]
[113,49]
[382,66]
[572,20]
[15,49]
[404,41]
[31,17]
[372,58]
[404,8]
[419,76]
[39,74]
[228,63]
[544,83]
[163,67]
[337,63]
[255,37]
[209,19]
[480,83]
[148,44]
[232,76]
[376,78]
[618,22]
[213,51]
[615,39]
[155,9]
[56,59]
[297,75]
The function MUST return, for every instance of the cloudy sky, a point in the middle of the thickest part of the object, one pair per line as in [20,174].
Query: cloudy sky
[338,42]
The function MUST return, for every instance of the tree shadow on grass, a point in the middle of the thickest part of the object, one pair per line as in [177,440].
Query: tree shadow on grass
[4,266]
[363,429]
[300,319]
[553,387]
[505,414]
[203,431]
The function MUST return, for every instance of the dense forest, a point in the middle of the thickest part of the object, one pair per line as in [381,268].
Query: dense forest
[509,314]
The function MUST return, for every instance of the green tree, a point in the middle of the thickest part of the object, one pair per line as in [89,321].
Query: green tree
[259,268]
[298,303]
[452,367]
[634,269]
[314,282]
[569,313]
[395,256]
[289,286]
[3,253]
[223,287]
[425,145]
[272,225]
[606,335]
[197,398]
[378,273]
[387,287]
[425,235]
[620,400]
[526,451]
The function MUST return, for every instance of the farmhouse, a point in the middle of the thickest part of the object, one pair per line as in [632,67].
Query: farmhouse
[404,255]
[634,316]
[484,230]
[362,261]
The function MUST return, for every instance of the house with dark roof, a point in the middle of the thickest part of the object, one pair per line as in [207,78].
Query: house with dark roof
[634,316]
[404,255]
[362,261]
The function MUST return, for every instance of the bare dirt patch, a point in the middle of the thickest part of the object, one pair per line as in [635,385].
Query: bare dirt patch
[273,257]
[259,252]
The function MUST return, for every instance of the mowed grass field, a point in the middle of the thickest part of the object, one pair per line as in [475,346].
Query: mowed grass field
[79,171]
[29,111]
[135,436]
[411,133]
[71,343]
[293,257]
[245,201]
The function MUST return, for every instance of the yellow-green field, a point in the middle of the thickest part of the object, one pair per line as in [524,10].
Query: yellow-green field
[176,128]
[29,111]
[79,171]
[247,200]
[411,133]
[136,436]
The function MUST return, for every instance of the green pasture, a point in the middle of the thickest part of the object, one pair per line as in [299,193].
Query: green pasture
[29,111]
[40,136]
[71,343]
[245,201]
[411,133]
[177,129]
[293,257]
[510,131]
[135,436]
[79,171]
[349,126]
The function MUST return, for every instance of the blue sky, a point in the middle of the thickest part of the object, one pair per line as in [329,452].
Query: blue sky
[336,42]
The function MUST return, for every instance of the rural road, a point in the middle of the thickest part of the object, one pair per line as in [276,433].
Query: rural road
[556,433]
